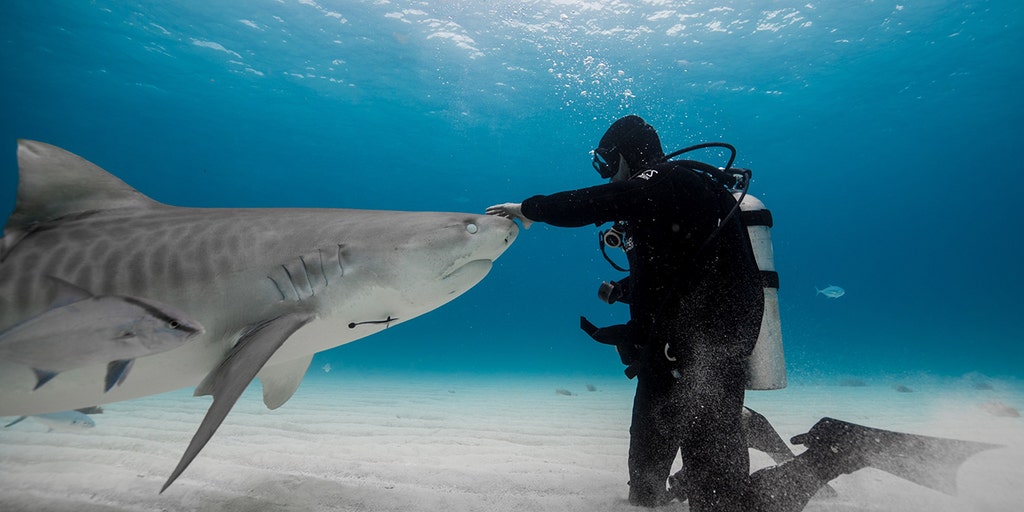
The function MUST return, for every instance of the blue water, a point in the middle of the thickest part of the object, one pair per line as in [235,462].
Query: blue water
[882,136]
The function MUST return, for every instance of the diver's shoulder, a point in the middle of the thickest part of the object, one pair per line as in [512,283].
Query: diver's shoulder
[664,171]
[648,174]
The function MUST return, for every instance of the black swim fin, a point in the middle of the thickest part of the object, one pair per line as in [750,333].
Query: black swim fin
[762,436]
[928,461]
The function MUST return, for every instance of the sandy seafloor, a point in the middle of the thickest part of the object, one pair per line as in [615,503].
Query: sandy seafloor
[467,443]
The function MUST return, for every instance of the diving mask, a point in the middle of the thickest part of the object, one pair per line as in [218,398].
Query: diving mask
[606,161]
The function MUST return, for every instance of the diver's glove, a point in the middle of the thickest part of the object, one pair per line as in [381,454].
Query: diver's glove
[622,336]
[511,211]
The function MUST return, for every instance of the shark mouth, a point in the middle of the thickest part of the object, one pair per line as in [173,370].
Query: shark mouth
[481,267]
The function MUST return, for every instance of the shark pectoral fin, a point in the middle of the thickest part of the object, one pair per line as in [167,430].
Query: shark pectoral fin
[116,372]
[227,382]
[42,377]
[281,380]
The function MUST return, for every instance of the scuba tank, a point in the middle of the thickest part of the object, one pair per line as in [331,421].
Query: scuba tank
[766,368]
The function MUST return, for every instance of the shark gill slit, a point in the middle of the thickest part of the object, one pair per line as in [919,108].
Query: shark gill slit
[323,271]
[305,271]
[278,285]
[340,266]
[291,280]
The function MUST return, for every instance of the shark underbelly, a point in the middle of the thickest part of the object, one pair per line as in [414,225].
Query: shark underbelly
[82,387]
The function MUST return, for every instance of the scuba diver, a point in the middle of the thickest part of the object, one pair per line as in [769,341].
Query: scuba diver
[696,299]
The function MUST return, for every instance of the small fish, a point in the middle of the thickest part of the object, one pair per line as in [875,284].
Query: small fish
[326,368]
[81,329]
[564,392]
[832,291]
[67,421]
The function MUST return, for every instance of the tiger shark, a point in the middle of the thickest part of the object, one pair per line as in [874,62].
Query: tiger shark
[271,286]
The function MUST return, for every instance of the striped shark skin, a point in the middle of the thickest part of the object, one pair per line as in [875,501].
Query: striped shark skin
[271,286]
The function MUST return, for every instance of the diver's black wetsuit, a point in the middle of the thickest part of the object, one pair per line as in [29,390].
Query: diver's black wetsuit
[702,308]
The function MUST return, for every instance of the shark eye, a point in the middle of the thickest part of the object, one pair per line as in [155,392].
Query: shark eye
[472,229]
[173,324]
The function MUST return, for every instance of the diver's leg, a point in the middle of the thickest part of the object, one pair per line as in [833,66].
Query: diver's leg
[709,401]
[762,436]
[651,450]
[786,487]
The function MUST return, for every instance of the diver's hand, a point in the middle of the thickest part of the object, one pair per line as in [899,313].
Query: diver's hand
[512,211]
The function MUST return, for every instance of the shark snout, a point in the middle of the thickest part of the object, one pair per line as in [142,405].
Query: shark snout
[499,227]
[489,237]
[512,229]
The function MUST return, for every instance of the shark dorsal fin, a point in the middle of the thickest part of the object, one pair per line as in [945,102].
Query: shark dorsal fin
[53,183]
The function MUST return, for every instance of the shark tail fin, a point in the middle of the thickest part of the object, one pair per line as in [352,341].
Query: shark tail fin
[928,461]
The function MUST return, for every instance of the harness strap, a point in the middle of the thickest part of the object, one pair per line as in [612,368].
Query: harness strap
[756,218]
